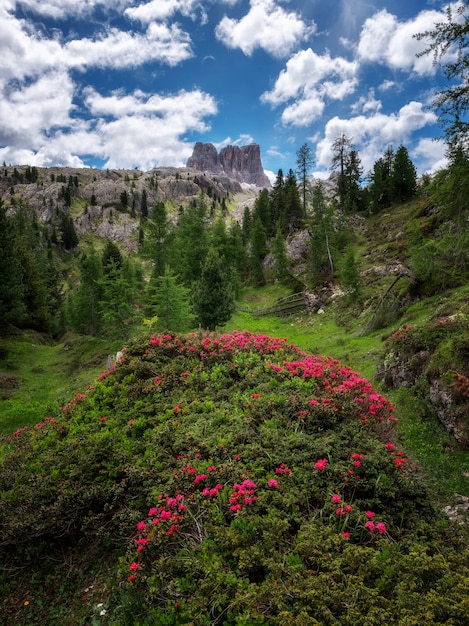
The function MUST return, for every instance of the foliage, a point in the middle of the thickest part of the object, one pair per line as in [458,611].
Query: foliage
[213,296]
[170,301]
[224,479]
[449,41]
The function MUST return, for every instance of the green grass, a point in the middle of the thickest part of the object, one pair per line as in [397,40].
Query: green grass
[47,375]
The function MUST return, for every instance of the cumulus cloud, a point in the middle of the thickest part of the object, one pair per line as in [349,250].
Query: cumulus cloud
[25,53]
[146,130]
[267,26]
[164,9]
[386,40]
[37,110]
[307,81]
[58,9]
[431,155]
[371,135]
[118,49]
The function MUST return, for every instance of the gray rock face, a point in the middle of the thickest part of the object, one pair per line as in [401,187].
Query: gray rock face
[240,163]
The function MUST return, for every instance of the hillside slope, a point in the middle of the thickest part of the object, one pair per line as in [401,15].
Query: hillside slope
[224,479]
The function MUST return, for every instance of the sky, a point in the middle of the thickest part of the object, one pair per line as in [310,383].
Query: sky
[134,84]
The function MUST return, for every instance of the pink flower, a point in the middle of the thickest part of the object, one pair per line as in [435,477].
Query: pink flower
[321,464]
[102,419]
[211,468]
[381,527]
[348,508]
[390,446]
[134,566]
[370,526]
[273,483]
[152,511]
[370,514]
[131,578]
[336,499]
[199,478]
[345,534]
[141,526]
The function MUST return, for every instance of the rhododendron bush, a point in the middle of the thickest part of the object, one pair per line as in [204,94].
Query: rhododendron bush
[224,479]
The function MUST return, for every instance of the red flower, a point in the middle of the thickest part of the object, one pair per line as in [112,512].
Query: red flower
[321,464]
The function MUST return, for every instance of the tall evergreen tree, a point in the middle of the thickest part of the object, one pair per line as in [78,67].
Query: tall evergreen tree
[170,301]
[404,176]
[293,207]
[281,260]
[213,294]
[353,190]
[191,242]
[323,231]
[341,147]
[262,210]
[304,163]
[12,306]
[84,308]
[258,252]
[111,257]
[157,241]
[114,304]
[277,203]
[381,187]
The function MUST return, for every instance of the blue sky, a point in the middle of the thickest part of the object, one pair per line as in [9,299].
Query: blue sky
[124,84]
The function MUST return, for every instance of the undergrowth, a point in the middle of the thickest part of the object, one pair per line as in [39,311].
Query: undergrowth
[224,479]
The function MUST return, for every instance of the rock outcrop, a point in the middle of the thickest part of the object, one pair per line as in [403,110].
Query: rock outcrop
[242,164]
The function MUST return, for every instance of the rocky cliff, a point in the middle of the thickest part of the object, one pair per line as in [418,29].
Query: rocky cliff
[242,164]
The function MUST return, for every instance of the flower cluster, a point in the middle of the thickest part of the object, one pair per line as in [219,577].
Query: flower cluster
[243,494]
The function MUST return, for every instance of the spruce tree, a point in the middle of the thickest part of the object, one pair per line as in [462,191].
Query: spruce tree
[304,163]
[12,306]
[213,294]
[281,260]
[169,300]
[258,252]
[404,176]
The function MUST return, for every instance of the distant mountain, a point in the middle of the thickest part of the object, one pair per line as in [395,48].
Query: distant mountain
[239,163]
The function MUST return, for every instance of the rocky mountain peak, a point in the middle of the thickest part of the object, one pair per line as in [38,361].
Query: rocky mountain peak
[242,164]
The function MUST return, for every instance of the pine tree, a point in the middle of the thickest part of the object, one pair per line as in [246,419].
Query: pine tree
[293,207]
[12,306]
[404,176]
[213,294]
[353,190]
[258,252]
[304,163]
[114,304]
[170,301]
[350,275]
[157,241]
[341,147]
[281,260]
[84,311]
[111,257]
[323,231]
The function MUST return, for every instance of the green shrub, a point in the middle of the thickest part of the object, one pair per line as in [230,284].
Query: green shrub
[229,479]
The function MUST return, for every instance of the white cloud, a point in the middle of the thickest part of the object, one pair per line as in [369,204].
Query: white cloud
[310,79]
[431,155]
[385,40]
[58,9]
[24,53]
[36,109]
[164,9]
[147,130]
[372,135]
[118,49]
[267,26]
